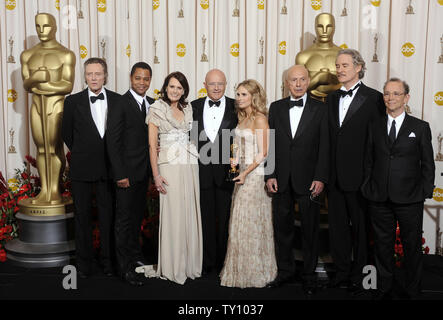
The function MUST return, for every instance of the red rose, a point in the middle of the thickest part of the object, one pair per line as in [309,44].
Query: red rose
[398,264]
[423,240]
[426,250]
[25,175]
[2,255]
[31,161]
[8,229]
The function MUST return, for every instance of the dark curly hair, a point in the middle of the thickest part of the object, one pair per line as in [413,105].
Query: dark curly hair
[180,77]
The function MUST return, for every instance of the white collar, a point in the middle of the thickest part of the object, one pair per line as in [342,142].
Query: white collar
[137,97]
[92,94]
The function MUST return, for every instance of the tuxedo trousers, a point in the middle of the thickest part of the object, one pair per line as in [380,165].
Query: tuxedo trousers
[284,232]
[384,217]
[215,206]
[130,210]
[347,233]
[82,193]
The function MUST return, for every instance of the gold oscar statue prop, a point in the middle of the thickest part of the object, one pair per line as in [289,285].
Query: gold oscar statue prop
[11,147]
[48,73]
[319,58]
[46,222]
[11,58]
[440,59]
[233,172]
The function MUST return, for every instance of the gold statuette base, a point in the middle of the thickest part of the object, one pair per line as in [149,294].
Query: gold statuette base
[46,210]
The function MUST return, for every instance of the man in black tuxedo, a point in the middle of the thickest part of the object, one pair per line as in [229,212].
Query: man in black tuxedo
[84,127]
[300,151]
[350,109]
[128,150]
[400,173]
[216,117]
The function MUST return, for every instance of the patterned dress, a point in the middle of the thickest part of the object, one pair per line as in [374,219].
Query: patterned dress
[250,257]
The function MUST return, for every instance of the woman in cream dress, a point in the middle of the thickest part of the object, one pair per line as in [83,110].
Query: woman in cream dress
[250,257]
[175,171]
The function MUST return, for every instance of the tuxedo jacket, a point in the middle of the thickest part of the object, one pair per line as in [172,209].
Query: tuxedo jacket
[348,142]
[127,140]
[404,172]
[304,157]
[214,172]
[89,160]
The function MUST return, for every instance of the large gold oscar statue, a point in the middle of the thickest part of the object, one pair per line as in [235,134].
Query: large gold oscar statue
[48,73]
[319,58]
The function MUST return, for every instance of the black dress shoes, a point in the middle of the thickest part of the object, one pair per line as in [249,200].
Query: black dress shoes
[278,282]
[309,289]
[83,274]
[133,278]
[339,283]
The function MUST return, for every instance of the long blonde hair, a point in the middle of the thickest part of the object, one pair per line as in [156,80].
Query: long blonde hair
[258,99]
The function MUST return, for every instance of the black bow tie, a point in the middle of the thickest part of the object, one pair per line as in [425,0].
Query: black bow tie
[348,93]
[295,103]
[216,103]
[99,97]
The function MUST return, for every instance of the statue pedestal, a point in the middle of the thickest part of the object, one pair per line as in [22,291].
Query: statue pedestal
[43,241]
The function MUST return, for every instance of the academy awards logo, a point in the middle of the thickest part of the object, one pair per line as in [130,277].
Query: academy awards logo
[204,4]
[181,50]
[235,50]
[128,50]
[57,4]
[155,4]
[344,46]
[83,52]
[10,4]
[202,93]
[12,95]
[376,3]
[282,48]
[101,5]
[438,98]
[438,195]
[316,4]
[408,49]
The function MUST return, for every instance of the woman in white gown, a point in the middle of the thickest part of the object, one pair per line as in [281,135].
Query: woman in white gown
[250,258]
[175,171]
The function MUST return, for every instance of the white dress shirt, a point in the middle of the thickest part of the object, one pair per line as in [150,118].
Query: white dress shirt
[99,111]
[140,99]
[345,102]
[295,114]
[398,122]
[212,118]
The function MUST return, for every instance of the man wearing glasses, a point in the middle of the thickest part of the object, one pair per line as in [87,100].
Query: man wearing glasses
[215,116]
[400,173]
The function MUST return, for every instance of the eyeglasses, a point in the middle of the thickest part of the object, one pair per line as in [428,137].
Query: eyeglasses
[214,84]
[395,94]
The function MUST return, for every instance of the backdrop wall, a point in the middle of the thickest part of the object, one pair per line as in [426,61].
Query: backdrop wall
[259,42]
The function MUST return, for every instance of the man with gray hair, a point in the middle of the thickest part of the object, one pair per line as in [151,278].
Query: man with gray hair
[351,109]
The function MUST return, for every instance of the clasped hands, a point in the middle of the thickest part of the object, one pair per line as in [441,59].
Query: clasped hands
[316,187]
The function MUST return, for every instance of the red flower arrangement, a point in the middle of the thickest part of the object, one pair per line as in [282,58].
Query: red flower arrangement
[398,248]
[24,185]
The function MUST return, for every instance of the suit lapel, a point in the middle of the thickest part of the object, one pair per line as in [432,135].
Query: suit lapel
[306,117]
[405,127]
[226,116]
[86,110]
[285,117]
[384,131]
[357,102]
[336,105]
[134,106]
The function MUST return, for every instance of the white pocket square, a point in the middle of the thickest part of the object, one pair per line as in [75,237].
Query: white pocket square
[412,135]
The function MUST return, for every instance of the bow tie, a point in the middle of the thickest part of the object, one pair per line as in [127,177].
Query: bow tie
[348,93]
[216,103]
[99,97]
[295,103]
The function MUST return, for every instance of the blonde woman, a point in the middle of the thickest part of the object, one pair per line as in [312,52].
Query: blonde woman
[250,258]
